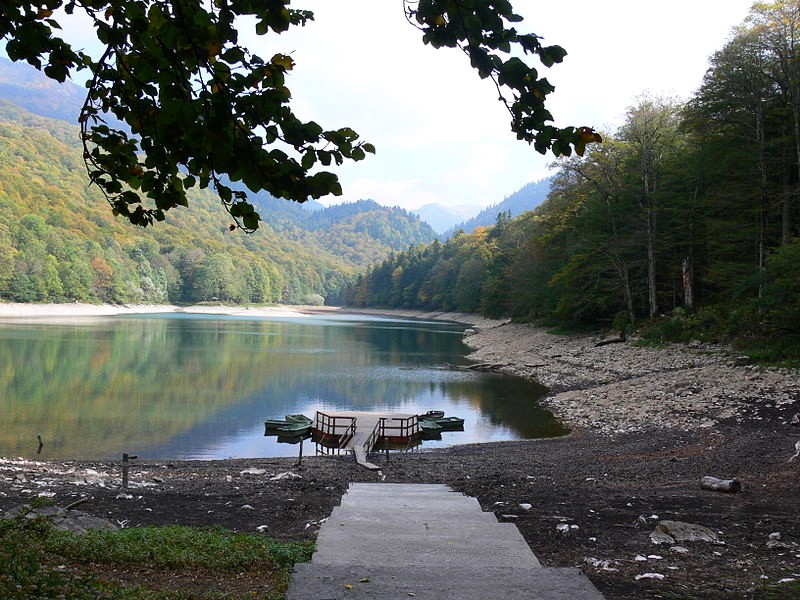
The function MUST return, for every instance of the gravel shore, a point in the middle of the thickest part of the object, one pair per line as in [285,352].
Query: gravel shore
[622,387]
[647,424]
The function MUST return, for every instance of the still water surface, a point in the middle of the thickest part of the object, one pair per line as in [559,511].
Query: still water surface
[177,386]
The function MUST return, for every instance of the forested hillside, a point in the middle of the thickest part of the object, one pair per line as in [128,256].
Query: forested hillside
[686,218]
[60,242]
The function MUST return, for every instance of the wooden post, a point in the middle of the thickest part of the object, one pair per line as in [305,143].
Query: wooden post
[125,458]
[300,455]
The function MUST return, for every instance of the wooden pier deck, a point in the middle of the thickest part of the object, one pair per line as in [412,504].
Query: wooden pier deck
[360,431]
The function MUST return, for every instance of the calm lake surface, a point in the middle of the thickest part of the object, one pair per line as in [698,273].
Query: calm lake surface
[181,386]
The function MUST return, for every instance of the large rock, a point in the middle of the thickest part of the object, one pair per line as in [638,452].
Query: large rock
[676,531]
[66,520]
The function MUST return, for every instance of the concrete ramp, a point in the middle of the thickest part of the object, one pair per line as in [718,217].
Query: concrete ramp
[427,542]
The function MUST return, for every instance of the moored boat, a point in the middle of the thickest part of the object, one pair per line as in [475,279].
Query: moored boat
[274,423]
[294,429]
[445,423]
[289,424]
[450,423]
[426,425]
[431,414]
[292,438]
[298,419]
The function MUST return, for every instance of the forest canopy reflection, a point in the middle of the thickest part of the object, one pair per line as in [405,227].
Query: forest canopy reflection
[191,386]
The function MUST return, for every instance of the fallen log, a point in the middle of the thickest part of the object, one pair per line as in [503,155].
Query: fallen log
[487,366]
[607,341]
[720,485]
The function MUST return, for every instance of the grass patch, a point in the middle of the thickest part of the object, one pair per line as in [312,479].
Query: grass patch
[149,563]
[779,591]
[775,351]
[741,328]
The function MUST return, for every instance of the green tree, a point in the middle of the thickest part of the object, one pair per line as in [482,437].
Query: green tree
[607,233]
[782,294]
[777,29]
[7,257]
[650,130]
[738,125]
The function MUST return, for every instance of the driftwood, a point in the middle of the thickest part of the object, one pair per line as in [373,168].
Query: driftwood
[720,485]
[76,503]
[796,452]
[486,366]
[607,341]
[479,366]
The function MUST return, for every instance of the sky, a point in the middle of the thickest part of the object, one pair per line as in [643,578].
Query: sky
[440,133]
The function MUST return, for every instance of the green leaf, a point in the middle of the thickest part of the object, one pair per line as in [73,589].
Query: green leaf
[309,158]
[251,220]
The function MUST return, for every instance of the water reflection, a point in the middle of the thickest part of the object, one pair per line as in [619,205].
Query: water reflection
[196,386]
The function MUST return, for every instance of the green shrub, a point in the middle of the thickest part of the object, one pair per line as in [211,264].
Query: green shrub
[32,550]
[24,571]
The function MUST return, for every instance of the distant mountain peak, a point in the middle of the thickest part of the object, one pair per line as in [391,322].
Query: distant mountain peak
[26,87]
[442,218]
[526,198]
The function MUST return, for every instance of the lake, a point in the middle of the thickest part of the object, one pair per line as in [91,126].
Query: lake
[191,386]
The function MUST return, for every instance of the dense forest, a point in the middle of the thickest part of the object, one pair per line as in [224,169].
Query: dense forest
[60,242]
[685,219]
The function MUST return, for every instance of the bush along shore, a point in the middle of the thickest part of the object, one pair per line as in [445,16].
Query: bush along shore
[622,496]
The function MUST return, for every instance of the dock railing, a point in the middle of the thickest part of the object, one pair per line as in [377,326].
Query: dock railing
[348,433]
[377,434]
[335,426]
[402,427]
[393,428]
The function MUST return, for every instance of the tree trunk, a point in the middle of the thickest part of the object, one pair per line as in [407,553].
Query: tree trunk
[651,262]
[762,213]
[688,283]
[786,216]
[626,287]
[687,266]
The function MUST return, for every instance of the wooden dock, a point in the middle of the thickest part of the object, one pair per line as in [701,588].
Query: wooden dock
[360,431]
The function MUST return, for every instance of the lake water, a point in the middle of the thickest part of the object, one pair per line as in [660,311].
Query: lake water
[180,386]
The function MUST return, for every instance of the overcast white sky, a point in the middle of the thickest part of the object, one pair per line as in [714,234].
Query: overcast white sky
[440,133]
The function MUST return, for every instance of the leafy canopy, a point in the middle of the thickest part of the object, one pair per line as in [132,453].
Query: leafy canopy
[174,101]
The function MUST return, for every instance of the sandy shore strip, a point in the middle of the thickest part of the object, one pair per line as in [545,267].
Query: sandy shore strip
[45,312]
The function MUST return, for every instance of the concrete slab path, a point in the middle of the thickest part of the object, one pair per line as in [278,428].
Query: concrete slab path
[397,541]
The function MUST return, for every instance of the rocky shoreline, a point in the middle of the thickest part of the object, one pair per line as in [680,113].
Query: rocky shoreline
[623,387]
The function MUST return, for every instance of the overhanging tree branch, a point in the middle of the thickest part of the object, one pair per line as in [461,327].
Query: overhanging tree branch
[201,110]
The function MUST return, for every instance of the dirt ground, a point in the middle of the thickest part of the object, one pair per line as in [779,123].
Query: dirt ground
[590,499]
[611,492]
